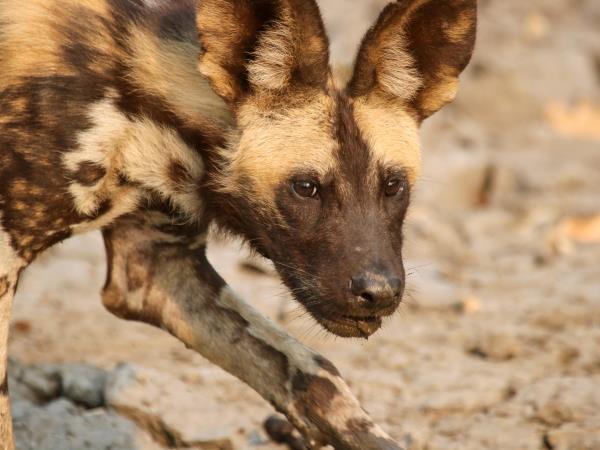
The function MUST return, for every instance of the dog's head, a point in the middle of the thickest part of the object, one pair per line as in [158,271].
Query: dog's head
[317,176]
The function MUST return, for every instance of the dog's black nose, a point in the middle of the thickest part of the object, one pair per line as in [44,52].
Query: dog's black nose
[377,291]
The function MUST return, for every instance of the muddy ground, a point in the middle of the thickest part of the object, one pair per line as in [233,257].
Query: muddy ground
[497,345]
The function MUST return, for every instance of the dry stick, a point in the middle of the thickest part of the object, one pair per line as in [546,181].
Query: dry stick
[166,281]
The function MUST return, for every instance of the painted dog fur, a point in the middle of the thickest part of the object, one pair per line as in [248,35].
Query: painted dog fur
[153,119]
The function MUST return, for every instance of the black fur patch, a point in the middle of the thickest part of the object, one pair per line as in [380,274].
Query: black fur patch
[178,175]
[4,285]
[354,155]
[38,134]
[177,21]
[326,365]
[314,389]
[89,173]
[4,385]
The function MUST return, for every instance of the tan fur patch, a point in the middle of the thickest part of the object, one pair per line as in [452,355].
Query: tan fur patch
[213,19]
[140,150]
[275,145]
[148,153]
[42,54]
[10,264]
[17,19]
[9,261]
[124,201]
[441,93]
[396,72]
[274,59]
[187,92]
[100,145]
[391,132]
[278,53]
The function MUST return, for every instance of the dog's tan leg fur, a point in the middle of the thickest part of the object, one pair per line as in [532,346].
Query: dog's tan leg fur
[10,266]
[6,296]
[160,275]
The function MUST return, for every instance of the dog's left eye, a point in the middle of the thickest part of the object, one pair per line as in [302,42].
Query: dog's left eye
[304,188]
[393,187]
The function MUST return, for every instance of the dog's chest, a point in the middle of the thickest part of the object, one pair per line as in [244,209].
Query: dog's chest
[122,160]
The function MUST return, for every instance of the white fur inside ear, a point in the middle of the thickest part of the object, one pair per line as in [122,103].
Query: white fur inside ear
[274,59]
[397,74]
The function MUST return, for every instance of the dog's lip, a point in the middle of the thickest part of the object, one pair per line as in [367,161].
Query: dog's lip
[350,326]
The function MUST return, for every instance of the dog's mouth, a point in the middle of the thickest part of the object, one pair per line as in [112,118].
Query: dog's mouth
[350,326]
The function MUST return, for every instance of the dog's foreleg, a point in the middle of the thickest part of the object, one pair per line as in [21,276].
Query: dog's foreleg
[165,280]
[6,296]
[10,265]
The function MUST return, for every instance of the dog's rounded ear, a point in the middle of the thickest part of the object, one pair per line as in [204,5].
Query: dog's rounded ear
[415,53]
[250,45]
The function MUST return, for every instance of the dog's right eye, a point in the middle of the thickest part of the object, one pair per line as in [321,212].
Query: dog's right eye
[304,188]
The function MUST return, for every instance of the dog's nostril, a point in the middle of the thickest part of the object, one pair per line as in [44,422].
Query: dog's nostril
[376,290]
[367,296]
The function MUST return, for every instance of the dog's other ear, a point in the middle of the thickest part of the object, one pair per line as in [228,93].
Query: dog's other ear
[415,53]
[250,45]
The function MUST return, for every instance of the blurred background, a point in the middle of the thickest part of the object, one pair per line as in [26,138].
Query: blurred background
[497,345]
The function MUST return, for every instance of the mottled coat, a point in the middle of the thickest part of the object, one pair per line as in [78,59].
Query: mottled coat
[151,119]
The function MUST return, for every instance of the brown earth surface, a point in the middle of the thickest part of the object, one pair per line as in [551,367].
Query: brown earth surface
[497,345]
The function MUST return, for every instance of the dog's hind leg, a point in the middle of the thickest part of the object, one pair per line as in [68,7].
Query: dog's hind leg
[10,265]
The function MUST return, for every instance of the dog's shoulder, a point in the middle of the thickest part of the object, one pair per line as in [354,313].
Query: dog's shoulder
[102,106]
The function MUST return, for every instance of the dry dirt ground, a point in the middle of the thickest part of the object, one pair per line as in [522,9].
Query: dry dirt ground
[497,345]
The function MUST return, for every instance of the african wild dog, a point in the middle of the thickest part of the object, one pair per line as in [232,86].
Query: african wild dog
[152,119]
